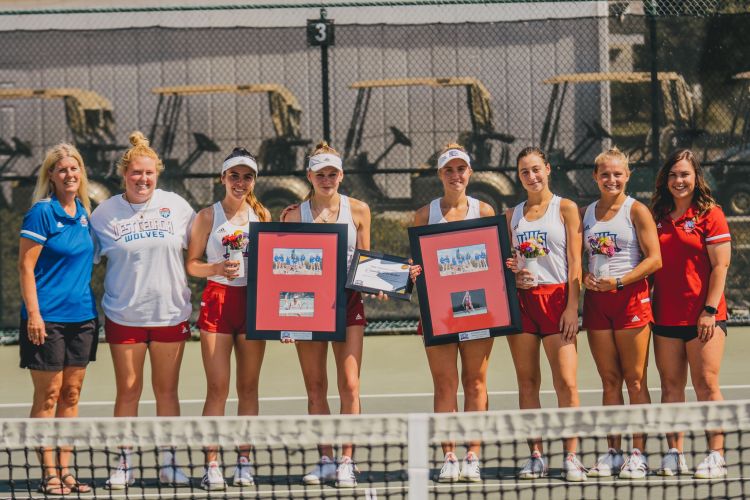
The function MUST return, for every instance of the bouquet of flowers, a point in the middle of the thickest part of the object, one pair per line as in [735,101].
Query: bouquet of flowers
[236,241]
[602,245]
[532,248]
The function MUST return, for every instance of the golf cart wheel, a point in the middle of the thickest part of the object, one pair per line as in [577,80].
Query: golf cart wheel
[738,199]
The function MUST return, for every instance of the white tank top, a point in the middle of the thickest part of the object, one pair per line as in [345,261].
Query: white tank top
[345,217]
[216,252]
[621,229]
[550,227]
[436,214]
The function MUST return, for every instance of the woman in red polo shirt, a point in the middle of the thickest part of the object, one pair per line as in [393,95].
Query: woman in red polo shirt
[689,308]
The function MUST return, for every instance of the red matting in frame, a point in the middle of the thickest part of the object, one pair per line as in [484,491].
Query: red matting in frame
[491,280]
[323,285]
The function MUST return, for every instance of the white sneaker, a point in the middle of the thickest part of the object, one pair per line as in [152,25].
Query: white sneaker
[243,473]
[673,464]
[121,478]
[213,479]
[449,473]
[345,477]
[635,466]
[470,468]
[712,467]
[605,464]
[172,475]
[534,468]
[324,471]
[573,470]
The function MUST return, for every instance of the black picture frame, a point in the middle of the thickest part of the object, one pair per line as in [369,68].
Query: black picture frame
[264,284]
[431,284]
[351,277]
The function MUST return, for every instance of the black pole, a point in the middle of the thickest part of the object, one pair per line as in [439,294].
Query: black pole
[326,96]
[655,89]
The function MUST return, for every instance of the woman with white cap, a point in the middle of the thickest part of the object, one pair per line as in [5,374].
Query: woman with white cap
[454,171]
[219,229]
[325,204]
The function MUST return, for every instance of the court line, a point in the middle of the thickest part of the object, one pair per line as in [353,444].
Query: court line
[546,392]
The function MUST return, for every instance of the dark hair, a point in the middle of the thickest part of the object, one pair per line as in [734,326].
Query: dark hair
[240,152]
[531,150]
[662,201]
[251,199]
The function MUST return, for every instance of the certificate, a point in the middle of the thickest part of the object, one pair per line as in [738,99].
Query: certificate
[373,272]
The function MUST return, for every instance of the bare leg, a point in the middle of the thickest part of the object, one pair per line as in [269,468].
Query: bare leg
[348,357]
[563,360]
[443,360]
[524,349]
[312,359]
[672,363]
[475,358]
[705,361]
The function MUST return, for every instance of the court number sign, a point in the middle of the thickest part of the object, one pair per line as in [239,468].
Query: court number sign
[320,32]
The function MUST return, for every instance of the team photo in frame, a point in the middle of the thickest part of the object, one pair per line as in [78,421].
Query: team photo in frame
[465,290]
[296,281]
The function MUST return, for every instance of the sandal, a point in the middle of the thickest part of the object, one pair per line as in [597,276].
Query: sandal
[57,489]
[77,486]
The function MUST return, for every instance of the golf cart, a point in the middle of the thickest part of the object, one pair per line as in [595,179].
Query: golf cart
[733,181]
[493,187]
[90,119]
[678,130]
[276,155]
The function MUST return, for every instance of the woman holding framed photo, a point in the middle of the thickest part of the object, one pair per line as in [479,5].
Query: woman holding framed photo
[454,171]
[324,205]
[546,232]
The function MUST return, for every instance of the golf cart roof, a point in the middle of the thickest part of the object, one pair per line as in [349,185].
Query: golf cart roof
[285,109]
[90,115]
[618,76]
[478,93]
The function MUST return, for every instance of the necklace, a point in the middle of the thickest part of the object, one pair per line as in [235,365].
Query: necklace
[324,213]
[140,213]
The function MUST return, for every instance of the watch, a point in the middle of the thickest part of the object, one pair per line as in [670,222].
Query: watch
[619,285]
[710,309]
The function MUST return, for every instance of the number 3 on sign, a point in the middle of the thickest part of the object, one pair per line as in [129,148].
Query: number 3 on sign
[320,32]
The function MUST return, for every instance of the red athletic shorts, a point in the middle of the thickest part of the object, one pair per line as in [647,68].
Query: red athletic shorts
[116,333]
[223,309]
[355,309]
[542,307]
[618,310]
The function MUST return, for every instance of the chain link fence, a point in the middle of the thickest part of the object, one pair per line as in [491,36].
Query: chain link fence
[400,80]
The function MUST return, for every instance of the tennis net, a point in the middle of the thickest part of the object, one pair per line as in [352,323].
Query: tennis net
[398,456]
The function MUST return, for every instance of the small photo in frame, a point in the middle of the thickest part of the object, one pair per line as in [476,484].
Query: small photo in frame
[305,261]
[465,291]
[301,304]
[374,272]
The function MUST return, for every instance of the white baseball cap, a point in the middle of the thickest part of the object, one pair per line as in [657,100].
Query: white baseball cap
[323,160]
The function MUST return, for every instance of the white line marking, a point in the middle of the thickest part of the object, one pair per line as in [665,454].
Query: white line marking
[546,392]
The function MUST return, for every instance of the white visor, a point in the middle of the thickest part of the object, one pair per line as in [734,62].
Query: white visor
[452,154]
[248,161]
[324,160]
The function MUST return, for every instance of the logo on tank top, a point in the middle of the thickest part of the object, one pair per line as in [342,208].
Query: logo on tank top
[612,236]
[527,235]
[165,212]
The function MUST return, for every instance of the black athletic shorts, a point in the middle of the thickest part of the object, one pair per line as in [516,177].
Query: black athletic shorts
[686,333]
[67,344]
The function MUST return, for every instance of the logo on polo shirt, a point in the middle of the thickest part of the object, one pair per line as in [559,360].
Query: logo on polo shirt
[689,226]
[165,212]
[84,221]
[60,224]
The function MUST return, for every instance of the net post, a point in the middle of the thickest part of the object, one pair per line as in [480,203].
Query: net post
[419,470]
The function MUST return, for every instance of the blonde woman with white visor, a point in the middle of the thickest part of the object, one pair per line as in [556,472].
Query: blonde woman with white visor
[326,205]
[454,171]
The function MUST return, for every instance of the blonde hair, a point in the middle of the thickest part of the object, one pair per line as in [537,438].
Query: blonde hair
[140,148]
[452,145]
[612,154]
[45,188]
[320,148]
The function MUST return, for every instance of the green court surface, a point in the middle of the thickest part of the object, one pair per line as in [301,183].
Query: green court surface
[395,379]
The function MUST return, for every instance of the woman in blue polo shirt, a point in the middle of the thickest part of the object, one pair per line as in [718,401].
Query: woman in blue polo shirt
[58,315]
